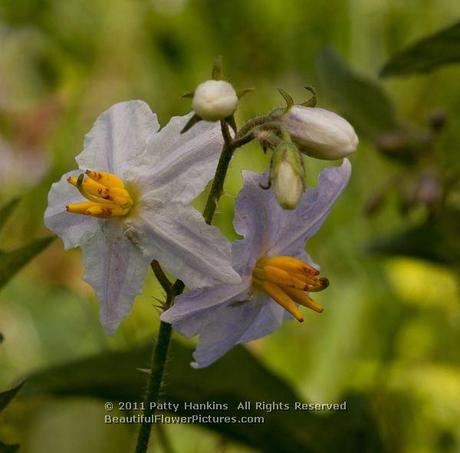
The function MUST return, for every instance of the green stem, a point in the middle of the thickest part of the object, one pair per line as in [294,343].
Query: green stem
[153,390]
[219,178]
[160,352]
[252,123]
[158,362]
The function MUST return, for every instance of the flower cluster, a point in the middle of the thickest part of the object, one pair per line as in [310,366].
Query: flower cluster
[130,202]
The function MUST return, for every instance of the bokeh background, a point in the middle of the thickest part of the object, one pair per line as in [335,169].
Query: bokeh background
[391,327]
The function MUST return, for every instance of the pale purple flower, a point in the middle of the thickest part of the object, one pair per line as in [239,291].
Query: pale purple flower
[143,211]
[227,314]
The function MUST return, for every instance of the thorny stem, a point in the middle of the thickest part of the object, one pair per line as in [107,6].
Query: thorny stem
[160,353]
[158,360]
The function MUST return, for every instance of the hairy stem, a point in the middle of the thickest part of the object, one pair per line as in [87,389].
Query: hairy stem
[159,356]
[160,352]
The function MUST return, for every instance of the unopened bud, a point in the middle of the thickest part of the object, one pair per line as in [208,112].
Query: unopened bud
[287,174]
[214,100]
[320,133]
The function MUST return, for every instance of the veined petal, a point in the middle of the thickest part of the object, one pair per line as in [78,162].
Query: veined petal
[223,316]
[177,236]
[299,225]
[73,229]
[251,220]
[285,231]
[178,166]
[118,138]
[226,327]
[269,319]
[116,269]
[191,311]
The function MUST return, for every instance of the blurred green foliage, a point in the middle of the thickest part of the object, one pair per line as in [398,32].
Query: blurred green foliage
[391,326]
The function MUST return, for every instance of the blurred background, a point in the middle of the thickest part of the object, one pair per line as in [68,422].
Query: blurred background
[391,327]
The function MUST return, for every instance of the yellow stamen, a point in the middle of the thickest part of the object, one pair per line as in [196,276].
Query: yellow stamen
[301,298]
[106,179]
[79,208]
[286,279]
[277,294]
[106,194]
[279,276]
[104,211]
[289,263]
[117,195]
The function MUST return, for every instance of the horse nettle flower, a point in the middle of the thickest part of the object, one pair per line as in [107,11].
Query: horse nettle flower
[130,203]
[276,273]
[287,175]
[214,100]
[320,133]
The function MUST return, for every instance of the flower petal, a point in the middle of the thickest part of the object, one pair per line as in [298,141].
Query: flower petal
[191,310]
[251,220]
[269,319]
[118,138]
[295,228]
[233,323]
[116,269]
[226,327]
[284,232]
[178,166]
[184,244]
[223,316]
[73,229]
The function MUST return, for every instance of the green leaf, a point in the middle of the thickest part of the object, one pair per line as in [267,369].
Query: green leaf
[12,261]
[429,53]
[237,377]
[8,395]
[362,101]
[435,241]
[6,210]
[4,448]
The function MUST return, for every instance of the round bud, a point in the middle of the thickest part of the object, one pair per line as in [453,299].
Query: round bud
[320,133]
[214,100]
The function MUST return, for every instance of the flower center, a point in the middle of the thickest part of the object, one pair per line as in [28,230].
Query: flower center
[286,280]
[106,194]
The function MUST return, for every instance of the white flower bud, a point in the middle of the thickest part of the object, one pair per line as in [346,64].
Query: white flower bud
[287,175]
[320,133]
[214,100]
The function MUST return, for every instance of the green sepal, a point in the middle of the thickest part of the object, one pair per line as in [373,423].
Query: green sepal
[244,92]
[286,151]
[190,123]
[313,100]
[288,98]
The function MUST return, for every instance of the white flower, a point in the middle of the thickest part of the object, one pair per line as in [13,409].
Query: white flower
[320,133]
[214,100]
[130,203]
